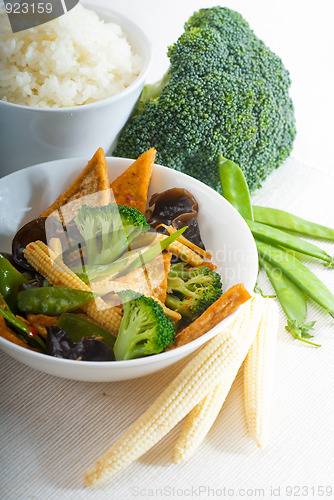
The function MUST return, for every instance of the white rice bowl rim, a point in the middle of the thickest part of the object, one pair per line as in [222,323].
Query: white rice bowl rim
[127,26]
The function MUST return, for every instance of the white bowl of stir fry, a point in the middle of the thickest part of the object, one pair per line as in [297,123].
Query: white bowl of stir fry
[218,244]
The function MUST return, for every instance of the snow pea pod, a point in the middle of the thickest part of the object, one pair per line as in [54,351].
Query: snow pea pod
[299,274]
[293,302]
[270,234]
[78,327]
[20,326]
[52,301]
[289,222]
[234,187]
[6,312]
[10,282]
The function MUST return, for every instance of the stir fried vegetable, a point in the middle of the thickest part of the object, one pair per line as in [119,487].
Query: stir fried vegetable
[108,231]
[107,248]
[52,301]
[78,327]
[192,290]
[144,330]
[10,281]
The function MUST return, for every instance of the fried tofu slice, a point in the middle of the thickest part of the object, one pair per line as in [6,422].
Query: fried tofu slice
[91,186]
[149,280]
[131,187]
[159,291]
[219,310]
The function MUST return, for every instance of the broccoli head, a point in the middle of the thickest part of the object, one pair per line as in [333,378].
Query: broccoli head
[224,93]
[144,329]
[192,291]
[108,230]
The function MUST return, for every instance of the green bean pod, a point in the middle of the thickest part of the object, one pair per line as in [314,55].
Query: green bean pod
[270,234]
[234,187]
[293,302]
[78,327]
[20,326]
[10,282]
[52,301]
[299,274]
[6,312]
[289,222]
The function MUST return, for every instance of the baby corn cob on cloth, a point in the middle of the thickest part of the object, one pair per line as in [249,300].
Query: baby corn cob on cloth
[54,430]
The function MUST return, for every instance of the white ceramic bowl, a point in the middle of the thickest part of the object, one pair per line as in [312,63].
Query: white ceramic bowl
[25,194]
[31,135]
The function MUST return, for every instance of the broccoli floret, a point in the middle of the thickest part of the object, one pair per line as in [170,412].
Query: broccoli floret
[108,231]
[224,93]
[144,329]
[192,291]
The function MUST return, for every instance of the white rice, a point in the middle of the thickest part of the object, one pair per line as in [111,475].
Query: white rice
[73,60]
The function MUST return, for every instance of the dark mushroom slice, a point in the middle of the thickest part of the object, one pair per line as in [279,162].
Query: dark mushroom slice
[92,349]
[41,228]
[60,345]
[178,208]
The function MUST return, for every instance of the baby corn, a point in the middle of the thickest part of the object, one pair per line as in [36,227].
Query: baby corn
[42,258]
[258,375]
[202,417]
[223,354]
[199,422]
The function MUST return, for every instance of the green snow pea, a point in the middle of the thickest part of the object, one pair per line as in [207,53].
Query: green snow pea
[77,328]
[293,302]
[299,274]
[289,222]
[6,312]
[234,187]
[10,282]
[270,234]
[20,326]
[52,301]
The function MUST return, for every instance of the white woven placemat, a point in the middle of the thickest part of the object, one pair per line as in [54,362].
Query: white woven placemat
[53,429]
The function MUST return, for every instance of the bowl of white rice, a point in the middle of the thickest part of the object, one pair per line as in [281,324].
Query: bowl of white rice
[68,86]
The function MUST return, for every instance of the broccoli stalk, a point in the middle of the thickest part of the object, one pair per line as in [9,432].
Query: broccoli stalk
[129,261]
[108,231]
[153,90]
[89,227]
[224,93]
[144,329]
[127,224]
[192,291]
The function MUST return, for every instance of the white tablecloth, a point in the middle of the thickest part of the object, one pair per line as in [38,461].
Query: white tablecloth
[52,429]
